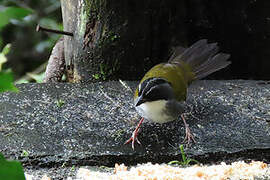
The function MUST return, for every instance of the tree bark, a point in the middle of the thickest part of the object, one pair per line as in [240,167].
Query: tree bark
[56,63]
[123,39]
[120,39]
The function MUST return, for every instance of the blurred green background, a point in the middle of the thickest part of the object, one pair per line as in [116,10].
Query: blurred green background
[29,50]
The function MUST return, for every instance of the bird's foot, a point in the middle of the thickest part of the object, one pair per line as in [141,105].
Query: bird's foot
[134,137]
[189,136]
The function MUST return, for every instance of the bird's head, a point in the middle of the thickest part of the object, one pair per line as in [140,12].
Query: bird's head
[153,89]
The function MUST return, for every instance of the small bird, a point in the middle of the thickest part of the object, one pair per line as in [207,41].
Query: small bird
[160,94]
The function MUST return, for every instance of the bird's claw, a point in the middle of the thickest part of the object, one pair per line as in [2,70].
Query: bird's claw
[189,137]
[133,139]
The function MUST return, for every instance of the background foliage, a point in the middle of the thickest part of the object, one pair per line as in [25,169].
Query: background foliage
[29,49]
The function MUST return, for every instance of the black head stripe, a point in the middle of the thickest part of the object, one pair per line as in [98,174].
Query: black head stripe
[156,89]
[149,83]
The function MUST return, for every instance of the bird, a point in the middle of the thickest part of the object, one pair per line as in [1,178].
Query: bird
[161,93]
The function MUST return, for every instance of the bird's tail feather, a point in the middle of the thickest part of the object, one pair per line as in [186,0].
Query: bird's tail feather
[203,58]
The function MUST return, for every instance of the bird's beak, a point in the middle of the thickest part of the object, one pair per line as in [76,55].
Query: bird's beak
[139,101]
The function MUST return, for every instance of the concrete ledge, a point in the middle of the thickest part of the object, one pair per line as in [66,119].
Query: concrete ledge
[87,124]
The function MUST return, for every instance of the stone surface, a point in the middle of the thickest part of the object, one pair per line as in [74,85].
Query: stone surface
[50,125]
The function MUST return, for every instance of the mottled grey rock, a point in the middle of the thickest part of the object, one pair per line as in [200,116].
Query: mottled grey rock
[87,124]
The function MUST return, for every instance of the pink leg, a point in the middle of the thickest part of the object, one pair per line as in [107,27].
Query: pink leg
[134,138]
[189,136]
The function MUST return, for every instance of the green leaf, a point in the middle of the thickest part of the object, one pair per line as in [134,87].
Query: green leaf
[6,82]
[3,59]
[3,54]
[17,12]
[60,103]
[175,162]
[6,49]
[4,19]
[183,154]
[13,13]
[10,169]
[185,161]
[25,153]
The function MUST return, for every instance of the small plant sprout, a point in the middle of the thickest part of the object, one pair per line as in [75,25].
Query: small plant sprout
[96,76]
[185,161]
[60,103]
[25,153]
[73,168]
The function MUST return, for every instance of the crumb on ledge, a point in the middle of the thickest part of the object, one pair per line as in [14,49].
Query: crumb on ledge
[236,170]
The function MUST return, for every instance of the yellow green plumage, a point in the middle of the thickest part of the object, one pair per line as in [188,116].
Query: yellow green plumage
[178,75]
[187,65]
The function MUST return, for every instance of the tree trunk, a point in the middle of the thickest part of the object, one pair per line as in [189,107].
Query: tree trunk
[124,38]
[120,39]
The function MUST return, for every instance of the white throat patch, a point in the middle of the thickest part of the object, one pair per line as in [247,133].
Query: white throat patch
[154,111]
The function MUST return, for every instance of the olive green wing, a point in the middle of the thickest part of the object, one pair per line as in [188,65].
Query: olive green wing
[177,76]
